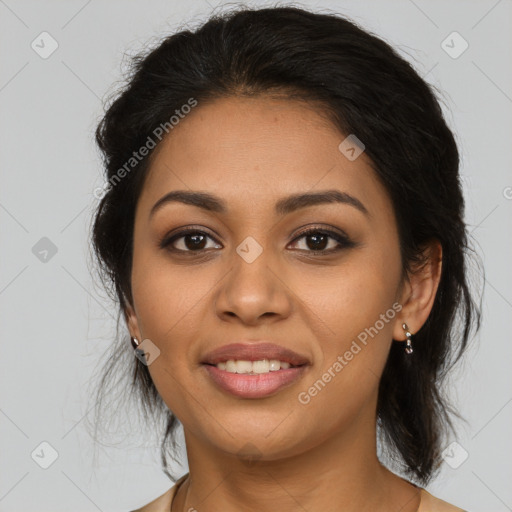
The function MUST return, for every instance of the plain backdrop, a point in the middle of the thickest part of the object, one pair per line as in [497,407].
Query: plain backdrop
[56,324]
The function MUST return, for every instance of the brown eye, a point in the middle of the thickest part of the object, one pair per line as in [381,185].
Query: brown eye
[193,241]
[318,240]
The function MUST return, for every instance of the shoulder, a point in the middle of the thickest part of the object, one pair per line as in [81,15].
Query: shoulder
[163,502]
[160,504]
[430,503]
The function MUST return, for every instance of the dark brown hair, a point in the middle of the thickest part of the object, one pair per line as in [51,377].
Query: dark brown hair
[365,88]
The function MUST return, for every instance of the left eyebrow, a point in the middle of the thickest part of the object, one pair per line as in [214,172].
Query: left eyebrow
[284,206]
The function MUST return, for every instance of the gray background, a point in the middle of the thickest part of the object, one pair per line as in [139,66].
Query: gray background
[56,322]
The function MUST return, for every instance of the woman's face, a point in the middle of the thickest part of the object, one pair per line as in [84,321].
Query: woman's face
[249,276]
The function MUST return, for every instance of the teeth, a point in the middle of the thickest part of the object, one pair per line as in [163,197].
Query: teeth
[253,367]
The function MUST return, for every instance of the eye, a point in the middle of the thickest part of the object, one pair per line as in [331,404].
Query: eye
[318,240]
[195,241]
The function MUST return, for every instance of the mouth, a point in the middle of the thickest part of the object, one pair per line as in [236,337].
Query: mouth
[254,370]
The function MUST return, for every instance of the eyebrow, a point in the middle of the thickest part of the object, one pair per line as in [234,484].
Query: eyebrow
[284,206]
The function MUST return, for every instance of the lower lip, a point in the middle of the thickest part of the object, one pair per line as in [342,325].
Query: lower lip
[254,386]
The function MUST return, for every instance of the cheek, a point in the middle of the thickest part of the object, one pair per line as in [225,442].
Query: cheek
[165,295]
[355,310]
[351,358]
[352,297]
[168,303]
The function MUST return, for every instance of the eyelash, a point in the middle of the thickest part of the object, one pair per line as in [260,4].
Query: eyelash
[343,240]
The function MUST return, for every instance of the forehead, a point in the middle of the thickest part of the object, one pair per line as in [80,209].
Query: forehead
[257,149]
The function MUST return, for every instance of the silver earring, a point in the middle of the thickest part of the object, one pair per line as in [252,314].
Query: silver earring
[135,342]
[408,334]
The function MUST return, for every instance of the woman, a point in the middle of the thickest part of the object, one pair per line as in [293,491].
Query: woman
[283,228]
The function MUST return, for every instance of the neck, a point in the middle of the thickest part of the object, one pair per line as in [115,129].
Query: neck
[341,472]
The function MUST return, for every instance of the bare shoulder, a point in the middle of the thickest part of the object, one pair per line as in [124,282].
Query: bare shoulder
[430,503]
[160,504]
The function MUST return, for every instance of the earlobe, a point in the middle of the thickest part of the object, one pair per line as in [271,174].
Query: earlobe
[419,291]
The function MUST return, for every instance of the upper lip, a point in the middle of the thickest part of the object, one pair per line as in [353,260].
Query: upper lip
[254,352]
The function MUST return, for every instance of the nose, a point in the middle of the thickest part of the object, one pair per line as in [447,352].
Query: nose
[254,289]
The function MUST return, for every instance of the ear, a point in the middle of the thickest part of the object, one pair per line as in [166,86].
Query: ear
[419,291]
[132,322]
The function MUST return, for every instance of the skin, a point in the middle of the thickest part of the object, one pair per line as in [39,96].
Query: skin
[252,152]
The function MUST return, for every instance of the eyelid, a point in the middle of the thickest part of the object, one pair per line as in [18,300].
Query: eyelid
[322,228]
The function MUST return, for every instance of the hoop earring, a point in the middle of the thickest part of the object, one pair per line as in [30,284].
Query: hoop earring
[135,342]
[408,334]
